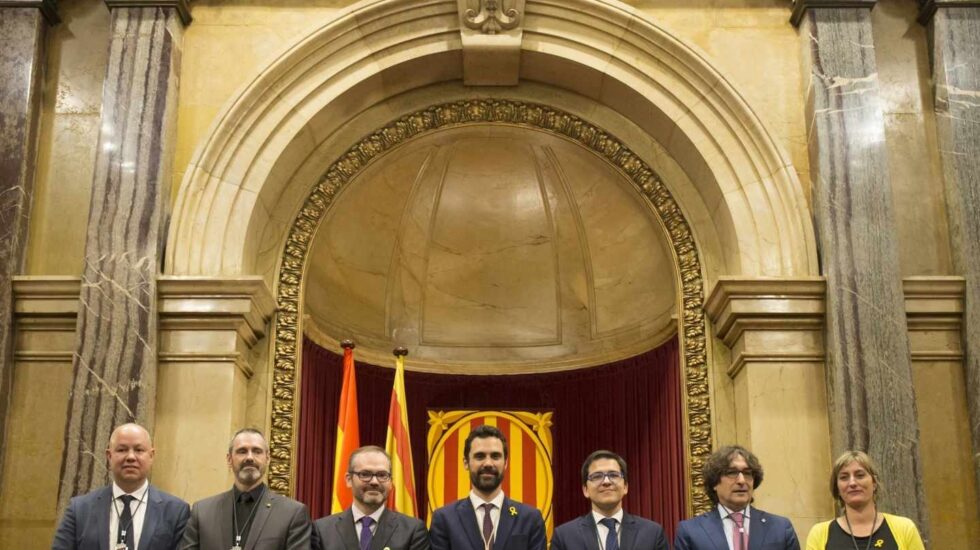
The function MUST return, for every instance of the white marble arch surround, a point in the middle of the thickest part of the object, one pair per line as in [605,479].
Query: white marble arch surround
[596,59]
[745,203]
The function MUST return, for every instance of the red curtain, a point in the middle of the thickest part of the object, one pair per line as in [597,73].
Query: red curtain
[631,407]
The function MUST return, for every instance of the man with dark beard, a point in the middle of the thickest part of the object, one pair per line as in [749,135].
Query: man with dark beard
[250,515]
[487,519]
[367,524]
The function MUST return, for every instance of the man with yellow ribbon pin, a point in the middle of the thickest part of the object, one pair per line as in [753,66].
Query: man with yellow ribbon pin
[486,519]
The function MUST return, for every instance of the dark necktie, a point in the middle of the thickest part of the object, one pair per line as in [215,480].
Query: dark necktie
[366,522]
[738,533]
[612,542]
[126,526]
[487,524]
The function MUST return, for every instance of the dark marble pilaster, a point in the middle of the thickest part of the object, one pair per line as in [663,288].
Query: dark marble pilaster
[23,27]
[115,360]
[869,369]
[954,41]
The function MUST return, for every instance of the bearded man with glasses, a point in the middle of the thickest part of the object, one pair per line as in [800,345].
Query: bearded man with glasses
[607,526]
[731,474]
[368,524]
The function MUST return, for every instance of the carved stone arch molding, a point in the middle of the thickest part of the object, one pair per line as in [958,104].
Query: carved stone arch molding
[750,220]
[477,111]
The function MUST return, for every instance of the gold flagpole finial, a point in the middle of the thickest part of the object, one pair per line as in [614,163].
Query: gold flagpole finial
[347,344]
[399,351]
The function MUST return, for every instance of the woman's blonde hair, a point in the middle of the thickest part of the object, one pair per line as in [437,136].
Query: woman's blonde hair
[842,461]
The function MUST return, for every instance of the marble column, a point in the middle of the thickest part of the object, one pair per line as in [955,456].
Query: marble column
[115,360]
[869,368]
[23,27]
[774,329]
[954,47]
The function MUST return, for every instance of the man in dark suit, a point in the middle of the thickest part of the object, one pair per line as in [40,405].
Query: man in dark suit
[367,524]
[250,516]
[129,512]
[731,474]
[486,519]
[607,526]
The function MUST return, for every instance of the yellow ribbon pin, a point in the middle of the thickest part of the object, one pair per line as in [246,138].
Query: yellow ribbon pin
[513,511]
[879,543]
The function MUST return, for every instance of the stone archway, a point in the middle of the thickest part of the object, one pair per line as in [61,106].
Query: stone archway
[736,188]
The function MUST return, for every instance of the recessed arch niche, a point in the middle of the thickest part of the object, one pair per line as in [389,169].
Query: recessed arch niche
[378,60]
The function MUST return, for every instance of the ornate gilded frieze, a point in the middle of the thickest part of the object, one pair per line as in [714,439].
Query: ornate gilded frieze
[483,111]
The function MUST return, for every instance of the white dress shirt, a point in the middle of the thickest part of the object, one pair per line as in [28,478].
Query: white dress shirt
[604,531]
[137,507]
[498,502]
[729,524]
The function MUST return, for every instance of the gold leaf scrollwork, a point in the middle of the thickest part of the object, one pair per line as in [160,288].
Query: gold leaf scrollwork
[295,255]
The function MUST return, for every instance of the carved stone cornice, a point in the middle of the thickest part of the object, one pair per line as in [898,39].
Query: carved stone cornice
[934,309]
[928,8]
[739,306]
[49,8]
[800,7]
[243,304]
[288,332]
[182,6]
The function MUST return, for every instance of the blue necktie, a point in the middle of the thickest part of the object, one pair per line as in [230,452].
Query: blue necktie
[366,522]
[126,523]
[612,542]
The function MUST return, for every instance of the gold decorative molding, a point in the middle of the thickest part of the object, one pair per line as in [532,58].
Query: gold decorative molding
[484,111]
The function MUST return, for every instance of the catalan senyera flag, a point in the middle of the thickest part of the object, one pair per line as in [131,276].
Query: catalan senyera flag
[348,436]
[399,448]
[529,478]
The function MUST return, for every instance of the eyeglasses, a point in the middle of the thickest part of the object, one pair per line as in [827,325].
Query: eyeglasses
[598,477]
[733,474]
[365,476]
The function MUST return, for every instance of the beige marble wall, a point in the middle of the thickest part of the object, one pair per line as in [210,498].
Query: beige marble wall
[78,51]
[910,133]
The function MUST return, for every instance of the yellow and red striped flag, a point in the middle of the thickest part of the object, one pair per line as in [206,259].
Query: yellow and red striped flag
[348,436]
[398,445]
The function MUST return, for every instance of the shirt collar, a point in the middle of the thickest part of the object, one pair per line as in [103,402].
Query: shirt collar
[618,516]
[255,492]
[477,501]
[358,514]
[746,512]
[138,493]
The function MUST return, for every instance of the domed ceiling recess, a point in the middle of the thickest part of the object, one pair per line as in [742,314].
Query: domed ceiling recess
[491,249]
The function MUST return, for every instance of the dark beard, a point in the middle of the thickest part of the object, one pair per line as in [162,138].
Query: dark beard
[486,486]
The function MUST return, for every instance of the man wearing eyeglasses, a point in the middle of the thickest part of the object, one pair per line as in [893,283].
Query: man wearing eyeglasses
[486,519]
[731,474]
[607,526]
[367,524]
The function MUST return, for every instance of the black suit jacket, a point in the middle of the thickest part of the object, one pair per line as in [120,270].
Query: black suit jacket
[395,531]
[636,533]
[85,525]
[279,523]
[454,527]
[706,532]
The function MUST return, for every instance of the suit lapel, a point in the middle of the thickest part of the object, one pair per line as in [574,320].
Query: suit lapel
[467,518]
[266,504]
[714,529]
[627,536]
[154,509]
[224,510]
[102,505]
[386,528]
[758,529]
[347,531]
[590,534]
[506,523]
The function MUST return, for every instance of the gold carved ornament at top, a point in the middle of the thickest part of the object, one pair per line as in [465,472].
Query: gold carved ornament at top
[482,111]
